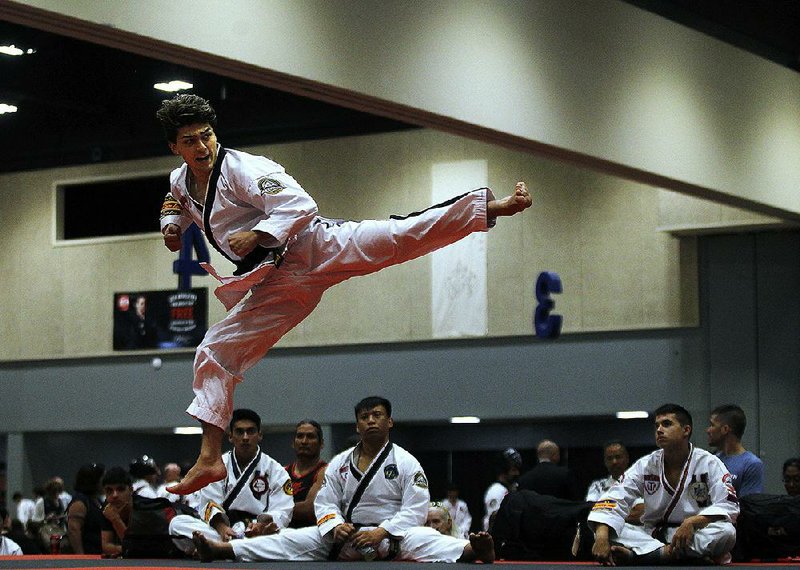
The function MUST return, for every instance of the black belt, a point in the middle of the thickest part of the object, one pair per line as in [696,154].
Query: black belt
[257,256]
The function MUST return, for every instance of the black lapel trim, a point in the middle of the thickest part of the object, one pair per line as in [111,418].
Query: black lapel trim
[242,480]
[362,486]
[211,194]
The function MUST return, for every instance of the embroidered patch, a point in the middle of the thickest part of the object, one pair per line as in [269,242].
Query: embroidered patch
[604,505]
[269,186]
[420,480]
[326,518]
[259,485]
[287,487]
[170,206]
[651,483]
[390,471]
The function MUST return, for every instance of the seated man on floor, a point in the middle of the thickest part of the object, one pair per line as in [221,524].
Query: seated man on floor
[690,504]
[372,505]
[255,498]
[307,471]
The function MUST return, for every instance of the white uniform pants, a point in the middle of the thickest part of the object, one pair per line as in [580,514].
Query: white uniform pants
[184,525]
[420,544]
[714,541]
[324,254]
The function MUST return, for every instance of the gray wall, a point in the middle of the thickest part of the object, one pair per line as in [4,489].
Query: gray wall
[745,351]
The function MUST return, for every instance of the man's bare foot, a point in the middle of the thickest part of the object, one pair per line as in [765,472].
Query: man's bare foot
[201,474]
[209,550]
[622,556]
[512,204]
[480,547]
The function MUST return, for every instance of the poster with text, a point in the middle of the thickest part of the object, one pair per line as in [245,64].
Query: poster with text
[160,319]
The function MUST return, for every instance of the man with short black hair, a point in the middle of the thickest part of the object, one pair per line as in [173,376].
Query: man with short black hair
[307,471]
[258,217]
[690,504]
[372,505]
[118,489]
[725,429]
[254,499]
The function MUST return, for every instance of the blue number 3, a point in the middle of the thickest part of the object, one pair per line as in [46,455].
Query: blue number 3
[544,324]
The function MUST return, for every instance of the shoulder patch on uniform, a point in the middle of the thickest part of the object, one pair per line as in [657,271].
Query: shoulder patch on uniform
[269,186]
[420,480]
[605,505]
[287,487]
[390,471]
[326,518]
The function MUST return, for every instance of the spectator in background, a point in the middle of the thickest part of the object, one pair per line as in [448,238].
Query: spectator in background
[118,488]
[49,508]
[725,430]
[548,477]
[145,474]
[439,519]
[458,510]
[28,544]
[63,495]
[617,461]
[85,512]
[172,474]
[24,508]
[791,476]
[508,465]
[7,546]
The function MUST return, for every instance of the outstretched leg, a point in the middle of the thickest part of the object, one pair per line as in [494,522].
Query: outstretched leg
[208,467]
[480,547]
[209,550]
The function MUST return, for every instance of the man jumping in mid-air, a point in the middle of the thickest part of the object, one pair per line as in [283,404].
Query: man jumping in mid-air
[286,256]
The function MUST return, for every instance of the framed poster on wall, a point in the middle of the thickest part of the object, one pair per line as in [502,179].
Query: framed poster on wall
[160,319]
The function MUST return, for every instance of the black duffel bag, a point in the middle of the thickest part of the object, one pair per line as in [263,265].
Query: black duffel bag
[768,527]
[530,526]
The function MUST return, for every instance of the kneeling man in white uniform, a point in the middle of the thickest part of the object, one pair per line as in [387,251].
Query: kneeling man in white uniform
[690,505]
[373,504]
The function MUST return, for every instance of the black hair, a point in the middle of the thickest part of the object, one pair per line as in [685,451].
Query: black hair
[182,110]
[244,414]
[613,442]
[87,479]
[372,401]
[791,462]
[507,459]
[681,414]
[143,466]
[731,415]
[117,476]
[312,423]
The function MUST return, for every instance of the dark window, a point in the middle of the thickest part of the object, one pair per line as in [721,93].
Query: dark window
[112,208]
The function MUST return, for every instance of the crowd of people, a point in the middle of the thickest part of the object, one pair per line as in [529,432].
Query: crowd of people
[373,499]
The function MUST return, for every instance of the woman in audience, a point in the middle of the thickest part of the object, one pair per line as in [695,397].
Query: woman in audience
[85,513]
[791,476]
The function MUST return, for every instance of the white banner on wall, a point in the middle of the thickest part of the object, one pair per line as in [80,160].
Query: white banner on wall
[459,297]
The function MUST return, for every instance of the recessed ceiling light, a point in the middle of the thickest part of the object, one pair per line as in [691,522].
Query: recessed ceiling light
[4,108]
[632,415]
[11,50]
[465,420]
[192,430]
[173,86]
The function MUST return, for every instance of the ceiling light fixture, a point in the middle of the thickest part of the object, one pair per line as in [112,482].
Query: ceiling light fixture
[172,86]
[192,430]
[4,108]
[465,420]
[11,50]
[633,415]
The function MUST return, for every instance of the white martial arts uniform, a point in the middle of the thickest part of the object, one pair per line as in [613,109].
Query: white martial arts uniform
[254,193]
[492,498]
[396,499]
[460,514]
[266,488]
[705,488]
[9,548]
